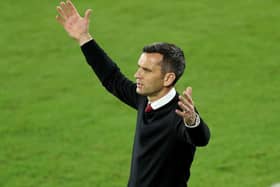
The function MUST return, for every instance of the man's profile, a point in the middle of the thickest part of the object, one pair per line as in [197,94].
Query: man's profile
[168,127]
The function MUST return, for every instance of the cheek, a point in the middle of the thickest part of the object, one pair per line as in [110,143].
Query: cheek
[154,81]
[149,78]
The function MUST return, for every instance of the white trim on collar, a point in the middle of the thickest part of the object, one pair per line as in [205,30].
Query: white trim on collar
[164,100]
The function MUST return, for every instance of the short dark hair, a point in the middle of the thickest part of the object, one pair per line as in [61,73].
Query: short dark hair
[173,58]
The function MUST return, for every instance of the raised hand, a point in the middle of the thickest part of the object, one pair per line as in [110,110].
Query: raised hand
[187,106]
[75,25]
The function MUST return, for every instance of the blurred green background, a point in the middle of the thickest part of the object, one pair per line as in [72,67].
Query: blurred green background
[59,127]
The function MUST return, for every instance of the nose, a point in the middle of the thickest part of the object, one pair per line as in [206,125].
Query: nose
[137,74]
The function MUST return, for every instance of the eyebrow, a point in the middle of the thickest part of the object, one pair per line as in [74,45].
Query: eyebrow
[144,68]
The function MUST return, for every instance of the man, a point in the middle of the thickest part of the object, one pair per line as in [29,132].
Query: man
[168,127]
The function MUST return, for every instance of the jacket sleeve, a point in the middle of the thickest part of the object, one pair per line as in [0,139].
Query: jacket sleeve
[197,136]
[200,135]
[109,74]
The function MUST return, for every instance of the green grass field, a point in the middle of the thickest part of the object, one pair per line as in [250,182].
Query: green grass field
[60,128]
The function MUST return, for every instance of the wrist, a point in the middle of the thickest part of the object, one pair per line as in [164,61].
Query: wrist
[84,38]
[191,123]
[191,120]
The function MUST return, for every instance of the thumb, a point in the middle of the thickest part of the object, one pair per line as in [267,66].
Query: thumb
[87,14]
[189,91]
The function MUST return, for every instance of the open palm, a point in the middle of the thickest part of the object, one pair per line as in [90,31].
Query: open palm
[75,25]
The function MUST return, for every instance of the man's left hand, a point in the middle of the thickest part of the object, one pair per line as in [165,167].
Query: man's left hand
[186,104]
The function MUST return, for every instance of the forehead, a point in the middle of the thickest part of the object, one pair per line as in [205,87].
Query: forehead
[150,59]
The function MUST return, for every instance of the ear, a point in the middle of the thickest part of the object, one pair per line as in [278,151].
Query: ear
[169,78]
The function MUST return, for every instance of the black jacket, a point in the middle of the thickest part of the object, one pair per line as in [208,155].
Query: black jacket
[163,147]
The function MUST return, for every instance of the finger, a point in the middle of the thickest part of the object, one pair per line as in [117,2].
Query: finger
[185,101]
[61,12]
[188,97]
[180,113]
[189,90]
[60,20]
[72,8]
[87,14]
[184,107]
[65,9]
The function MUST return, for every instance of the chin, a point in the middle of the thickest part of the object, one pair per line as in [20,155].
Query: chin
[140,92]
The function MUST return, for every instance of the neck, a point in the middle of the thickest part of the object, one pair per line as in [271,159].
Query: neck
[159,95]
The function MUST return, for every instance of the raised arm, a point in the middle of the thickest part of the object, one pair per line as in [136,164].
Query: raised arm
[76,26]
[106,70]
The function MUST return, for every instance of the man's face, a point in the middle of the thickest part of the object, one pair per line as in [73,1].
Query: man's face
[149,78]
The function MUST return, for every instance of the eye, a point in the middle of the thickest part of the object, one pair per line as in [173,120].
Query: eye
[144,69]
[147,70]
